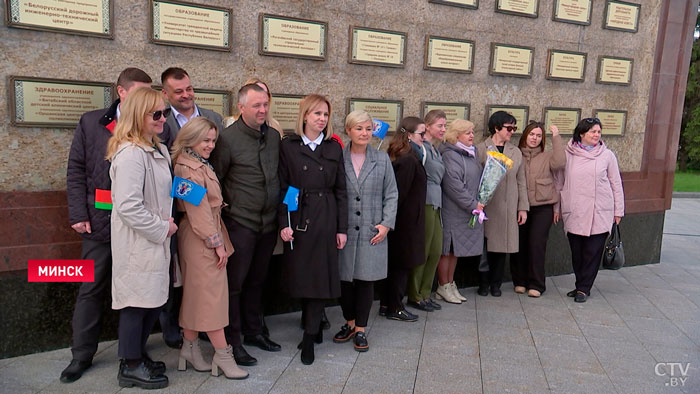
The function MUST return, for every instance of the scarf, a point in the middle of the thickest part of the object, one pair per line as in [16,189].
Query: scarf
[469,149]
[194,154]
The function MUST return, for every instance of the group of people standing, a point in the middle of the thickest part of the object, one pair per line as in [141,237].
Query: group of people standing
[362,215]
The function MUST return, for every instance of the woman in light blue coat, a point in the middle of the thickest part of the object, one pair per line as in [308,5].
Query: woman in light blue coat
[372,203]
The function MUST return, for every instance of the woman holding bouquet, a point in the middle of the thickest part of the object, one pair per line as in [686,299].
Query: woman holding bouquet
[508,206]
[591,200]
[460,185]
[527,267]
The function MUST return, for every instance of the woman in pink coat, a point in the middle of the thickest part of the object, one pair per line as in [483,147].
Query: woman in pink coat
[591,200]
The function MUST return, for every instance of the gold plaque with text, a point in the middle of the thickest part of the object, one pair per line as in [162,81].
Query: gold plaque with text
[389,111]
[614,70]
[41,102]
[292,37]
[565,119]
[566,66]
[519,112]
[448,54]
[84,17]
[377,47]
[474,4]
[218,101]
[284,108]
[510,60]
[573,11]
[190,25]
[614,121]
[621,15]
[452,110]
[527,8]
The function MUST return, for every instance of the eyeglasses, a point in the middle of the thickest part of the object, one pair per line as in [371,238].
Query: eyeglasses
[592,120]
[158,114]
[420,134]
[511,129]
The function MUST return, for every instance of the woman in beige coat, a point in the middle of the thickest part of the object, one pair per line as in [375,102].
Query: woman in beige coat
[141,227]
[527,267]
[508,206]
[203,249]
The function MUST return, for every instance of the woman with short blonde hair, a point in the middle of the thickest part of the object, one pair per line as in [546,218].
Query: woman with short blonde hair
[457,128]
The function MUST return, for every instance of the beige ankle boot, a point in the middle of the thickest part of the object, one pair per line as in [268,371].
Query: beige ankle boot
[456,293]
[191,352]
[223,358]
[445,293]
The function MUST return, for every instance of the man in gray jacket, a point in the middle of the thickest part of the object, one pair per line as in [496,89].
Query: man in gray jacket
[245,160]
[179,93]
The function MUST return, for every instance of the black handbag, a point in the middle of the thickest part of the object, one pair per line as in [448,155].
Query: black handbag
[614,254]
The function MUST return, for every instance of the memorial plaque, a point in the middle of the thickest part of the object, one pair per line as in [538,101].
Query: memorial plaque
[614,70]
[621,15]
[566,66]
[512,61]
[292,37]
[474,4]
[190,25]
[389,111]
[41,102]
[448,54]
[527,8]
[377,47]
[565,119]
[614,121]
[573,11]
[284,108]
[86,17]
[519,112]
[452,110]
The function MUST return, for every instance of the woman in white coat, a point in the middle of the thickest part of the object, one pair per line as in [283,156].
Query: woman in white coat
[141,226]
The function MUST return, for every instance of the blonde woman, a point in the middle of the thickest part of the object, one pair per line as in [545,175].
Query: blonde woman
[141,226]
[203,249]
[460,186]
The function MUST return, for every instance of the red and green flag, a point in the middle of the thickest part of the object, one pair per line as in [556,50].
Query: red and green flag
[103,199]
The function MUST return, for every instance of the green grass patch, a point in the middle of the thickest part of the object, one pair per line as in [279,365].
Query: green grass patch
[686,181]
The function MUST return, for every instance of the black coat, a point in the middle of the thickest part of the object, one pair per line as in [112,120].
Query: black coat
[407,240]
[311,269]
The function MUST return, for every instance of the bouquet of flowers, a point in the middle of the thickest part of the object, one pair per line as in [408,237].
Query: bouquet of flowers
[494,170]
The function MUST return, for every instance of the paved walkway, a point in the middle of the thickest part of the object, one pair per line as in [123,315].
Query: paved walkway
[636,334]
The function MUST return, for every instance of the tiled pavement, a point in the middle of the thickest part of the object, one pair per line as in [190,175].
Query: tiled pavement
[640,326]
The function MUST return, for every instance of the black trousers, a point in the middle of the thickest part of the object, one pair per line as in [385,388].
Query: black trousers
[497,263]
[169,315]
[87,316]
[246,271]
[527,266]
[395,288]
[356,300]
[135,324]
[586,253]
[311,311]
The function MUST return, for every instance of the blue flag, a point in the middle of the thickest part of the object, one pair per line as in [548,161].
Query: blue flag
[188,191]
[291,199]
[379,128]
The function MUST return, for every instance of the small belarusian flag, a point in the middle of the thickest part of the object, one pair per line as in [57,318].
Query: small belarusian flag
[103,199]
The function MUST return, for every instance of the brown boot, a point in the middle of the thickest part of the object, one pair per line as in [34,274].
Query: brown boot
[190,351]
[223,358]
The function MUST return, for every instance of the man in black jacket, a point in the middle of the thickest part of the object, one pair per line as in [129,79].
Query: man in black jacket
[89,209]
[245,160]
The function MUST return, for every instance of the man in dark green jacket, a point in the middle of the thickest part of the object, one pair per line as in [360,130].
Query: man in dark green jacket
[245,160]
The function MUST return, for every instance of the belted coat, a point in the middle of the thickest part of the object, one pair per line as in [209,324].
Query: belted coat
[372,200]
[311,268]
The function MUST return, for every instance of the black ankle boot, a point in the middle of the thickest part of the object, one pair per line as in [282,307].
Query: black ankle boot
[307,349]
[483,284]
[140,376]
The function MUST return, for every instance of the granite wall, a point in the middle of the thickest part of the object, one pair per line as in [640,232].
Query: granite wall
[33,209]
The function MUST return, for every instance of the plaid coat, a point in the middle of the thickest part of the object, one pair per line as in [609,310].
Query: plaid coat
[372,200]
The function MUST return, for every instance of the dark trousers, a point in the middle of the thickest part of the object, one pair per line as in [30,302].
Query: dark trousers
[169,315]
[311,311]
[395,288]
[527,266]
[497,263]
[356,300]
[87,316]
[135,324]
[586,253]
[246,271]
